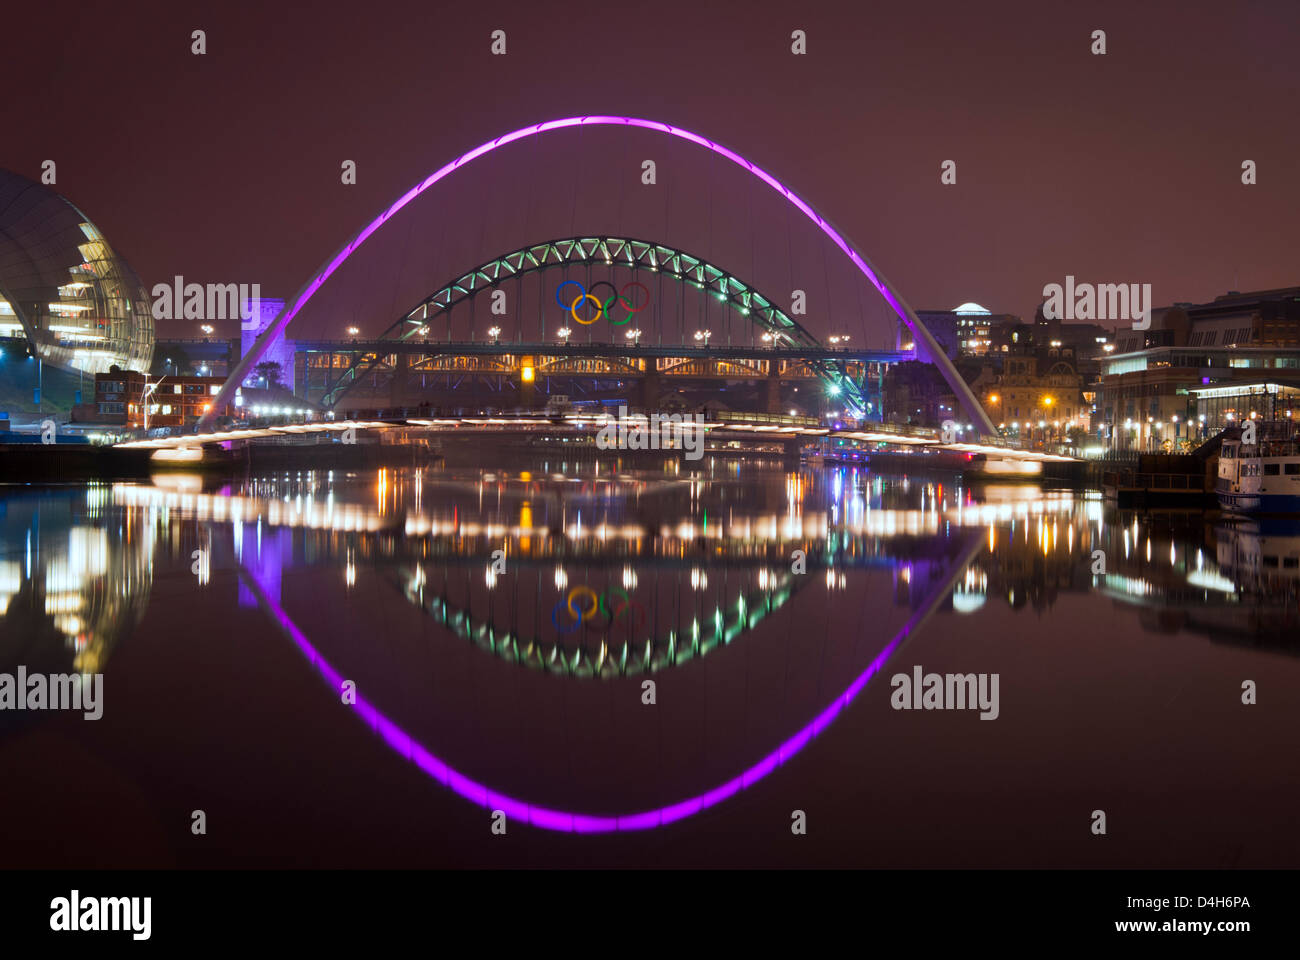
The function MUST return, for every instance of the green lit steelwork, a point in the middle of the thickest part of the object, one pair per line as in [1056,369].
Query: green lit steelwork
[610,251]
[621,659]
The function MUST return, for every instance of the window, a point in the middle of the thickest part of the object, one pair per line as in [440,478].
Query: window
[1270,469]
[1292,469]
[1291,563]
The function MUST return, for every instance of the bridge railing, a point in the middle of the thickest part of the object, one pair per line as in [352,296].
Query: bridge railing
[732,416]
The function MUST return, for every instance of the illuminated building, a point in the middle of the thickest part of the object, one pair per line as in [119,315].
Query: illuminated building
[120,397]
[63,289]
[1151,380]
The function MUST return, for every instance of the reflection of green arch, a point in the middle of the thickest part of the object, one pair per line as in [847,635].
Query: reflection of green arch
[623,657]
[629,254]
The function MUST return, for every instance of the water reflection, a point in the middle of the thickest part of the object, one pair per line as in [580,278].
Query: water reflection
[75,577]
[388,580]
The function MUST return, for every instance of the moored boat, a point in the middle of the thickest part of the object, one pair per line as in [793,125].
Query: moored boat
[1259,468]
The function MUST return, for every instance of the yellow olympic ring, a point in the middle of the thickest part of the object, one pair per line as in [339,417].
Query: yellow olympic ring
[595,601]
[600,309]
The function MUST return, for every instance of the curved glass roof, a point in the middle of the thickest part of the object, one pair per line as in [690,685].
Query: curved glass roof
[63,288]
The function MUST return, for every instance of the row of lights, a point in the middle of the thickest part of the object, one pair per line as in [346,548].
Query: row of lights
[279,411]
[565,332]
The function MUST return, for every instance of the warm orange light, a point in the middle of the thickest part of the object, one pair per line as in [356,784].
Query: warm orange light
[526,374]
[993,398]
[1048,401]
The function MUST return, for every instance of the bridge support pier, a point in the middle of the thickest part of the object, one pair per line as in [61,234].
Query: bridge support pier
[772,387]
[401,373]
[527,382]
[650,385]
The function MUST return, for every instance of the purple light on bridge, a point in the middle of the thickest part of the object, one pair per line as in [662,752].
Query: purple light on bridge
[919,332]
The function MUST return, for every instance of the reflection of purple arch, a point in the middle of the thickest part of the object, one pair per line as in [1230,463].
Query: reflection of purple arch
[402,743]
[928,348]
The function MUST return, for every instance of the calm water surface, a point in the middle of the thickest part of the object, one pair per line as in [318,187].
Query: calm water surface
[356,669]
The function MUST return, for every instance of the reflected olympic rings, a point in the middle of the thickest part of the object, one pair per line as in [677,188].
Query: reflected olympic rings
[609,606]
[603,307]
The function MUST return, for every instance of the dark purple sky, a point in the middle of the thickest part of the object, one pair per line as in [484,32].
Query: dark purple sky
[1116,168]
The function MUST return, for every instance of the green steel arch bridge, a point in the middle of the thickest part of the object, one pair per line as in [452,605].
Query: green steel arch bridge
[773,342]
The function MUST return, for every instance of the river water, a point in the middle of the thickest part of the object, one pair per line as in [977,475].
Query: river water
[663,664]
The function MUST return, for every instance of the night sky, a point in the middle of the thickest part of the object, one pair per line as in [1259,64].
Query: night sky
[1117,168]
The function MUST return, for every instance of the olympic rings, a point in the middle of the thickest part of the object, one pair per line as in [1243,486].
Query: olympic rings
[600,310]
[603,306]
[599,605]
[568,283]
[559,629]
[595,602]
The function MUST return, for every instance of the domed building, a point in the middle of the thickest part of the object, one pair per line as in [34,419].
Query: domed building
[63,289]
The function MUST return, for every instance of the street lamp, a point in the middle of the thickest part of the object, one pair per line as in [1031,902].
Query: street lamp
[997,398]
[703,335]
[633,335]
[207,329]
[564,333]
[353,331]
[494,333]
[842,338]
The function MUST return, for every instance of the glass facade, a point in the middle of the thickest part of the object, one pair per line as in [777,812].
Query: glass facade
[62,288]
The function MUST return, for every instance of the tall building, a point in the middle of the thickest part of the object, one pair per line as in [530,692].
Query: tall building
[63,290]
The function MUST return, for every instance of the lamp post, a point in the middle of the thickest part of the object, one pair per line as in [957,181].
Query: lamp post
[703,335]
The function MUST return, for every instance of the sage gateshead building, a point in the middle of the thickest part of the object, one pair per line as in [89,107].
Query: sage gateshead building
[63,290]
